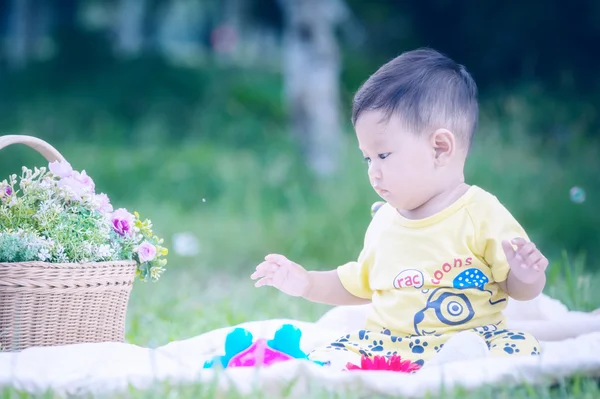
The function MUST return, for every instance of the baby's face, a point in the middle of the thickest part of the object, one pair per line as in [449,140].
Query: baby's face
[400,163]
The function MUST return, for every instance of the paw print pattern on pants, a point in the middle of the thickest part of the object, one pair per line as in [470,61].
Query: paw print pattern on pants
[377,346]
[338,346]
[511,348]
[417,346]
[515,336]
[395,338]
[344,339]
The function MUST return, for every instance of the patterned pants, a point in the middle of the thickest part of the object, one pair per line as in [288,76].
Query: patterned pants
[419,349]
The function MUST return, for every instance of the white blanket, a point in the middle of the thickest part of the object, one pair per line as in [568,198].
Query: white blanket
[571,342]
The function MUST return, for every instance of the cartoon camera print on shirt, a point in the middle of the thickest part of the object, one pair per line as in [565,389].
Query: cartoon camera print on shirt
[453,308]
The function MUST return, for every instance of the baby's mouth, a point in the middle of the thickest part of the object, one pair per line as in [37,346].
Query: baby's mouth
[380,190]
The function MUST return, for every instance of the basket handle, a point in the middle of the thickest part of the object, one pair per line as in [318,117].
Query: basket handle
[47,151]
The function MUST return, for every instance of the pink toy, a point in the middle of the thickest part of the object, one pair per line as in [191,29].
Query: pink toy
[258,354]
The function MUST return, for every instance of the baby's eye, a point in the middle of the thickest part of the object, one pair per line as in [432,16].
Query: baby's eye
[383,156]
[367,160]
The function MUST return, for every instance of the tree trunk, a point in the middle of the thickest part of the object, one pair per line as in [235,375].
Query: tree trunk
[312,69]
[180,24]
[17,52]
[129,27]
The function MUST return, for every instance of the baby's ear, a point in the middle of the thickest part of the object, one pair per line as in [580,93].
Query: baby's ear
[444,144]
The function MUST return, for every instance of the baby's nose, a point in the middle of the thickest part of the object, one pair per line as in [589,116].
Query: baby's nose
[374,173]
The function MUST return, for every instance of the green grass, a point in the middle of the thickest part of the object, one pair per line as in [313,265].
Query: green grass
[576,388]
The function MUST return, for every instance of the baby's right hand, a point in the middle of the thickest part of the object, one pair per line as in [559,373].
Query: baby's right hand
[283,274]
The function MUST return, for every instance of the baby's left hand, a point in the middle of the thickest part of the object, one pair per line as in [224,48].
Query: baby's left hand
[526,262]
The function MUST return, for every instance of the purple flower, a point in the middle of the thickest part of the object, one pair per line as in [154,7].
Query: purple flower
[122,222]
[61,169]
[102,203]
[146,252]
[5,192]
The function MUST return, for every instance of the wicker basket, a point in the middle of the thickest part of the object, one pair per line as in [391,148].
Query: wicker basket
[46,304]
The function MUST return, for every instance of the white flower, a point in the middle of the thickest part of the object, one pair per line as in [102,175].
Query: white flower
[46,206]
[47,184]
[88,247]
[13,201]
[59,253]
[104,251]
[44,254]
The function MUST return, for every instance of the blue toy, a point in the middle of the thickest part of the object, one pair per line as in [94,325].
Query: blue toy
[241,351]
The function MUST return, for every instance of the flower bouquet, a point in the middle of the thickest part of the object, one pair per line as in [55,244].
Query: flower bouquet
[54,215]
[67,258]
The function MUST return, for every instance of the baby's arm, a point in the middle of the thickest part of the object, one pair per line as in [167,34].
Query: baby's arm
[521,291]
[326,287]
[292,279]
[526,278]
[516,264]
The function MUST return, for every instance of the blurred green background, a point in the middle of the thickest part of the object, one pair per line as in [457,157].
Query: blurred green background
[180,110]
[179,116]
[211,118]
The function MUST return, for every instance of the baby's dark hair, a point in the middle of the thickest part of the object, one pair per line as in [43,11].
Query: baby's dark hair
[426,90]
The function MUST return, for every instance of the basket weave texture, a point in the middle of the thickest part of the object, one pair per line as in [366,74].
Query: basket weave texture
[47,304]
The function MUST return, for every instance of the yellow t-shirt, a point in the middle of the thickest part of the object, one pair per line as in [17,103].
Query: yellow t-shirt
[438,274]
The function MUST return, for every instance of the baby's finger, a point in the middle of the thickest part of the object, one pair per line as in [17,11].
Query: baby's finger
[533,259]
[264,269]
[526,250]
[268,267]
[257,274]
[264,281]
[519,241]
[277,259]
[542,264]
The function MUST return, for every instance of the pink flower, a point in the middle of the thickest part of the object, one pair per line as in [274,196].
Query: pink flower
[102,203]
[85,181]
[122,222]
[146,251]
[79,184]
[76,188]
[61,168]
[393,363]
